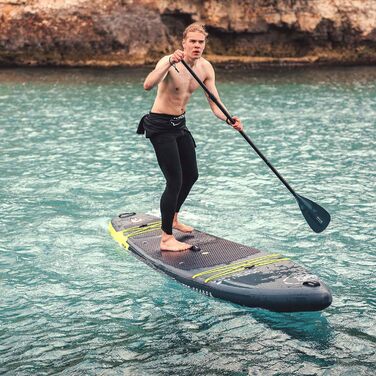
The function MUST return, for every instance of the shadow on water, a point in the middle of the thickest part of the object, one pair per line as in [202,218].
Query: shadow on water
[303,326]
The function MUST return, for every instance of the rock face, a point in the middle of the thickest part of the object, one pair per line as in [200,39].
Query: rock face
[130,32]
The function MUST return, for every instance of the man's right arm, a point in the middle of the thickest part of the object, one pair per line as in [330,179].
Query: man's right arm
[158,74]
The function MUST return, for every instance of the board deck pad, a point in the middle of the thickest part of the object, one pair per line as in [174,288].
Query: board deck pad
[223,268]
[214,250]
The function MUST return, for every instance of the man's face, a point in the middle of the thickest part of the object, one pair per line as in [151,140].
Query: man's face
[194,44]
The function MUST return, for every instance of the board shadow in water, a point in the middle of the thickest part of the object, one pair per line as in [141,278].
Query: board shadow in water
[304,326]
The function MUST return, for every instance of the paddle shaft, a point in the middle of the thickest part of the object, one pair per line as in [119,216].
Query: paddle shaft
[228,116]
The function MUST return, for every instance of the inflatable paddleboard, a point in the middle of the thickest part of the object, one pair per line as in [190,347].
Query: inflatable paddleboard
[224,269]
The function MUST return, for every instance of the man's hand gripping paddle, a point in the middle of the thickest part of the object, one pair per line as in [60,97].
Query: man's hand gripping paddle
[315,215]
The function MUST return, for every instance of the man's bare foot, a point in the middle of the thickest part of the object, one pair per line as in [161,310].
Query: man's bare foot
[181,227]
[169,243]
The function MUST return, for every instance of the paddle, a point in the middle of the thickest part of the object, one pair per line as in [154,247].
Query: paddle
[315,215]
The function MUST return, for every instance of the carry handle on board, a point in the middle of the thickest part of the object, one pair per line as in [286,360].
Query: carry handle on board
[315,215]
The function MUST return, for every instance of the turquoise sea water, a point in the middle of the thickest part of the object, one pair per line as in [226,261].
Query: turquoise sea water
[73,302]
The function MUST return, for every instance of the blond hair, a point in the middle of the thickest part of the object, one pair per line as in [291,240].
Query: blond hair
[195,27]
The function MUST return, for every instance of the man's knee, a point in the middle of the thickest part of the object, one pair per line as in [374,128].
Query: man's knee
[191,178]
[194,177]
[174,185]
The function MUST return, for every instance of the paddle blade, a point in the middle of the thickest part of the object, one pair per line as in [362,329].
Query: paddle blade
[316,216]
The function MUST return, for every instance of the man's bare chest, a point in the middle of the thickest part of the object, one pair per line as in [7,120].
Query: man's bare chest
[183,83]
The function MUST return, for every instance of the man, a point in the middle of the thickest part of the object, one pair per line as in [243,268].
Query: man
[165,126]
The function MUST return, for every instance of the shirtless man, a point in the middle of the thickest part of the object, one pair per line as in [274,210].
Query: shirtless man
[165,126]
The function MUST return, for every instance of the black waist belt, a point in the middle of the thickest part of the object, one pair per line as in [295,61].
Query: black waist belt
[154,123]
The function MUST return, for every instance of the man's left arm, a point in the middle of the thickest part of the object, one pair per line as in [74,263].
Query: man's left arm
[210,84]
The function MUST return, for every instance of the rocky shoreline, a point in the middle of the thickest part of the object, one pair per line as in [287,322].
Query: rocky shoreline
[127,33]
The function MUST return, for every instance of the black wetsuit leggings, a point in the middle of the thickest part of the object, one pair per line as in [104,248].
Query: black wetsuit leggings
[176,157]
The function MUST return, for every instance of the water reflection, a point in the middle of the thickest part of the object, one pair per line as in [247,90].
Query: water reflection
[335,76]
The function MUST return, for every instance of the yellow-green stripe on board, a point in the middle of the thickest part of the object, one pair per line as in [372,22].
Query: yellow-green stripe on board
[240,269]
[237,264]
[122,236]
